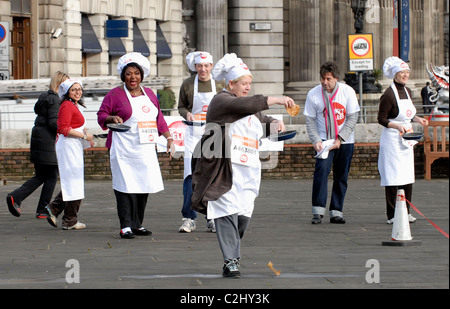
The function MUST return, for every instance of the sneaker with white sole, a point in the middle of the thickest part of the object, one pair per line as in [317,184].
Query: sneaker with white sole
[51,218]
[210,226]
[187,226]
[76,226]
[231,269]
[411,219]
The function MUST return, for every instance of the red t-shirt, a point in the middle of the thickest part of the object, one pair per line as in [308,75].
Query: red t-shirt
[69,117]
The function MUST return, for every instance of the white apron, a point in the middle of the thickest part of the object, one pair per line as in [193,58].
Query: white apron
[69,152]
[193,134]
[396,157]
[246,169]
[134,163]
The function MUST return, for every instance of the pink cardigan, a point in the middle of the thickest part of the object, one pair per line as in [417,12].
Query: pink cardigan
[117,103]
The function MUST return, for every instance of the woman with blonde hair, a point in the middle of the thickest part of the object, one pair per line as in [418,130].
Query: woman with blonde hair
[226,182]
[42,151]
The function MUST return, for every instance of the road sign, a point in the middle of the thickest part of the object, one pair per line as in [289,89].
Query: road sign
[360,48]
[4,46]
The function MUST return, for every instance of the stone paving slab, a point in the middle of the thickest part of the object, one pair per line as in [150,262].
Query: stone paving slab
[325,256]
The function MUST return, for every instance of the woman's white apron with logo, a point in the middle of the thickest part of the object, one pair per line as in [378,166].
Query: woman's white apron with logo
[134,162]
[396,157]
[193,134]
[69,151]
[246,169]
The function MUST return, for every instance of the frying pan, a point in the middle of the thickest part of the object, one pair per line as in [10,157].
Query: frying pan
[118,127]
[412,136]
[100,135]
[193,123]
[282,136]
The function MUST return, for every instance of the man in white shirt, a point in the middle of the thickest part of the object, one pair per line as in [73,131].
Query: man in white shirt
[331,112]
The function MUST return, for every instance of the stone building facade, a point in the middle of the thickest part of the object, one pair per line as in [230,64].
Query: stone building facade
[282,41]
[71,36]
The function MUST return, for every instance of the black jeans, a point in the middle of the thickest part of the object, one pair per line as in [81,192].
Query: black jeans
[44,174]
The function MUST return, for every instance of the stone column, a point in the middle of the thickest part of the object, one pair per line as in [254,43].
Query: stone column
[304,29]
[212,27]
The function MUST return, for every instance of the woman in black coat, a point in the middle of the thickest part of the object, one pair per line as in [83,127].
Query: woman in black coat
[42,151]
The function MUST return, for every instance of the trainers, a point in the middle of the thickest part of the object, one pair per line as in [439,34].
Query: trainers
[51,218]
[317,219]
[76,226]
[210,226]
[337,220]
[390,221]
[187,226]
[411,219]
[41,215]
[231,269]
[14,209]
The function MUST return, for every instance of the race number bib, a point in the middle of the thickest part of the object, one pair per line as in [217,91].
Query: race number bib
[148,132]
[244,151]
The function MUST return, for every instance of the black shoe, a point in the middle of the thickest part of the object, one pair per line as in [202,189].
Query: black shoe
[127,235]
[337,219]
[14,209]
[142,232]
[231,269]
[316,219]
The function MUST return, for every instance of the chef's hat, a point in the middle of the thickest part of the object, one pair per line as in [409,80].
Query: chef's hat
[66,85]
[393,65]
[137,58]
[230,67]
[198,57]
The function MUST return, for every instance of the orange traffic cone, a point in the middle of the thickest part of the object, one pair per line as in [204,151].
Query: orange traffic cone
[401,232]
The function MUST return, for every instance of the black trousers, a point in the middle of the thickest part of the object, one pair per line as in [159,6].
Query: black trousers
[391,197]
[44,174]
[131,208]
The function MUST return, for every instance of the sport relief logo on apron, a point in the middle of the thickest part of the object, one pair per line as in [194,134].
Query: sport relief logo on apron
[134,163]
[193,134]
[396,159]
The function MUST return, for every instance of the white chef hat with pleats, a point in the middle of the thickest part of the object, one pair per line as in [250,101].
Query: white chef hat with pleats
[66,85]
[198,57]
[230,67]
[393,65]
[137,58]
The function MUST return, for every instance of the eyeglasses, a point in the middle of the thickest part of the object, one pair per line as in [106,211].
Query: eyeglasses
[76,90]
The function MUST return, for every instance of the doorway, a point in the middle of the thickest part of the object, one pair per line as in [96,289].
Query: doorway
[21,43]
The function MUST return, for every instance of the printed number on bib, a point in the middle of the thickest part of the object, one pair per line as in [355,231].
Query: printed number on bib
[148,132]
[244,151]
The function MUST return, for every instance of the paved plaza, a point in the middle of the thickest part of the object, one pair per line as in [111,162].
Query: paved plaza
[35,255]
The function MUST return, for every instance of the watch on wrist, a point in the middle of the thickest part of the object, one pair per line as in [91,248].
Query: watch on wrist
[85,137]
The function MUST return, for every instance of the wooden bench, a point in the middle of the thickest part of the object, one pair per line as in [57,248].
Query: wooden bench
[435,144]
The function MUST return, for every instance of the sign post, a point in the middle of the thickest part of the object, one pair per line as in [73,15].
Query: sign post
[360,60]
[4,50]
